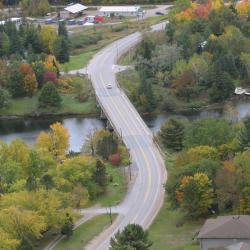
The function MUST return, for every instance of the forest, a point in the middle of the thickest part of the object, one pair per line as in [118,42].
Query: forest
[201,57]
[209,166]
[42,186]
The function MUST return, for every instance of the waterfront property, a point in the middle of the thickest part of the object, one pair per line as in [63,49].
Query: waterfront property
[121,11]
[225,232]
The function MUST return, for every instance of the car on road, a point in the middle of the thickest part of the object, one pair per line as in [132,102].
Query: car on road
[109,86]
[159,13]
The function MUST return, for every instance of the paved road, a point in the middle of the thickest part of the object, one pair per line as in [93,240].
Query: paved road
[146,195]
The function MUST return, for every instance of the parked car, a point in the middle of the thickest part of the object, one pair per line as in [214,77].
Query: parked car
[71,22]
[80,22]
[159,13]
[49,21]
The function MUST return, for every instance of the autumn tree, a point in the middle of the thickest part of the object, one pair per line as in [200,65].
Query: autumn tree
[49,96]
[30,84]
[195,194]
[132,237]
[56,141]
[172,134]
[227,183]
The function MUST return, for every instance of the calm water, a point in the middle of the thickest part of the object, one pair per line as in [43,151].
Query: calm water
[28,129]
[80,128]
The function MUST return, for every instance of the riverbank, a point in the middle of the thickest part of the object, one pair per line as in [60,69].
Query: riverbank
[167,103]
[77,99]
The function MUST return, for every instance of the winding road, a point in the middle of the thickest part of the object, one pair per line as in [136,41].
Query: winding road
[146,195]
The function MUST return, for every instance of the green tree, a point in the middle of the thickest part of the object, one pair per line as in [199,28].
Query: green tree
[100,175]
[132,237]
[211,132]
[244,136]
[107,145]
[49,96]
[61,49]
[4,44]
[16,82]
[62,30]
[172,134]
[67,228]
[4,98]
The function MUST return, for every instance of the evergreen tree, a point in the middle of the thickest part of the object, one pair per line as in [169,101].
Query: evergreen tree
[222,86]
[4,44]
[16,82]
[67,228]
[245,134]
[172,134]
[61,49]
[100,176]
[132,237]
[62,30]
[106,146]
[145,94]
[49,96]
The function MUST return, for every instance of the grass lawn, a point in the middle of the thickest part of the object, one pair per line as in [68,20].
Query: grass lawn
[86,41]
[84,233]
[116,190]
[78,61]
[70,105]
[167,236]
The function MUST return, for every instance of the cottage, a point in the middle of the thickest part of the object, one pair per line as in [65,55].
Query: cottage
[121,11]
[72,10]
[225,232]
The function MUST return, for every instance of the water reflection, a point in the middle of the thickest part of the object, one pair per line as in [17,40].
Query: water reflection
[80,128]
[28,129]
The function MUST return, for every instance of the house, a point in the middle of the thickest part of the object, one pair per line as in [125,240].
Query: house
[225,231]
[72,11]
[239,246]
[121,11]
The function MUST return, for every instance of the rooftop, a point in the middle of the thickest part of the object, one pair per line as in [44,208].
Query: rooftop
[119,8]
[226,227]
[75,8]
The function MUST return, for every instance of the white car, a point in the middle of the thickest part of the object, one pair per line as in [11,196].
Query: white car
[109,86]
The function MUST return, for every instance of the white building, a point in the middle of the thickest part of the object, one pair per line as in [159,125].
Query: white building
[72,10]
[121,11]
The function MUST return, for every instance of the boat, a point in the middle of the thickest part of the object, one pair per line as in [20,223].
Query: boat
[247,92]
[239,91]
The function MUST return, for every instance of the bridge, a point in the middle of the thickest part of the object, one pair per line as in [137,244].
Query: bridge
[146,195]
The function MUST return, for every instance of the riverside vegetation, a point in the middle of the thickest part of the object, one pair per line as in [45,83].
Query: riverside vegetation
[199,59]
[42,186]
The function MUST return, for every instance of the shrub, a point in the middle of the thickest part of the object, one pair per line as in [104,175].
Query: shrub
[49,96]
[115,159]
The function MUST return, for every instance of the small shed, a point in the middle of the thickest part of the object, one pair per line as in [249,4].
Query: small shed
[225,231]
[72,11]
[120,11]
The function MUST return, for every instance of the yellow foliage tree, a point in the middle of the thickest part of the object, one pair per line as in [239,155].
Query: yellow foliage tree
[7,242]
[51,64]
[56,141]
[243,7]
[195,194]
[48,37]
[23,224]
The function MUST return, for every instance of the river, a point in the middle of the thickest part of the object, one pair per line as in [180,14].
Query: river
[79,128]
